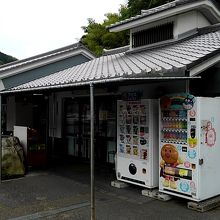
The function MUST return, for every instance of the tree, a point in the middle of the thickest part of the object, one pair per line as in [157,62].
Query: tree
[93,38]
[135,6]
[97,37]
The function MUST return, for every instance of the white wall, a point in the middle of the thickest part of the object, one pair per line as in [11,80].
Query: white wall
[189,21]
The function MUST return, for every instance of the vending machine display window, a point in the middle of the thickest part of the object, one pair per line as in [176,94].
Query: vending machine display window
[137,141]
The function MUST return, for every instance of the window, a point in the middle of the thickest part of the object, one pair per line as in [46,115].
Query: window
[152,35]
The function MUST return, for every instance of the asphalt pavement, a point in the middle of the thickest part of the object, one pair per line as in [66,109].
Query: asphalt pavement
[63,192]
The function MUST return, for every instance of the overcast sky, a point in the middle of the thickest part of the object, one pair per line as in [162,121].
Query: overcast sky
[31,27]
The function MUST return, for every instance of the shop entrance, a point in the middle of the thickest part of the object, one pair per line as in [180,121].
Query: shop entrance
[77,128]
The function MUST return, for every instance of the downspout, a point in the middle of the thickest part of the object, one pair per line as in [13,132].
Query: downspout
[53,122]
[93,215]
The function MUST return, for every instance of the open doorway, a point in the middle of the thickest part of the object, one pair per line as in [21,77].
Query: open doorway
[76,129]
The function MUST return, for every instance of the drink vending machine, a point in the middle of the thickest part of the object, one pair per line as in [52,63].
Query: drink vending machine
[189,146]
[137,142]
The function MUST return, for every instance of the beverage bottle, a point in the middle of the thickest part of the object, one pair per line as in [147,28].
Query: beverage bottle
[185,125]
[178,124]
[181,124]
[177,136]
[168,124]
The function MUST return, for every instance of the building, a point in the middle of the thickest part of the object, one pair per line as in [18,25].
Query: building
[173,48]
[23,71]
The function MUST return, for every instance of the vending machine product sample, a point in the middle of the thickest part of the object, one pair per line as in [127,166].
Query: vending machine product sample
[137,142]
[189,146]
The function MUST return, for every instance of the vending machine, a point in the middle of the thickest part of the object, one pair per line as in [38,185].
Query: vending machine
[189,146]
[137,142]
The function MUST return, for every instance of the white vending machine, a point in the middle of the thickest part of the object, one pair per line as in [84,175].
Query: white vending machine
[189,146]
[137,142]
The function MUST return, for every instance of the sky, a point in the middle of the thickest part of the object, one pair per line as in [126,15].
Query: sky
[32,27]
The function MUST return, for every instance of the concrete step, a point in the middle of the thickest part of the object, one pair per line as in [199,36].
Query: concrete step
[119,184]
[204,205]
[154,193]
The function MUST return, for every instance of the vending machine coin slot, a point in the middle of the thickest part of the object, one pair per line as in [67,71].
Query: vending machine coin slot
[201,161]
[193,131]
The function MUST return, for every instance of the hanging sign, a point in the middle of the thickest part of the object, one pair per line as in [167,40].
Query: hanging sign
[131,96]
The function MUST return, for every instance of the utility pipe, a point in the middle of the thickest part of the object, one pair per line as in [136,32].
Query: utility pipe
[93,214]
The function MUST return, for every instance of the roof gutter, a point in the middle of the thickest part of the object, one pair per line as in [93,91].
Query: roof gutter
[102,81]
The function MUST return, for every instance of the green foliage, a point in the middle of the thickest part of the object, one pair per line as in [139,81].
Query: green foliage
[97,37]
[6,58]
[93,38]
[135,6]
[123,12]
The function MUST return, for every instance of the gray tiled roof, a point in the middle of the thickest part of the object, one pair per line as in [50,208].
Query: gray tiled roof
[165,60]
[169,5]
[43,56]
[164,7]
[116,50]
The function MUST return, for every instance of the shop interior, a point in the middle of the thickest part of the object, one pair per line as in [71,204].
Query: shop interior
[33,111]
